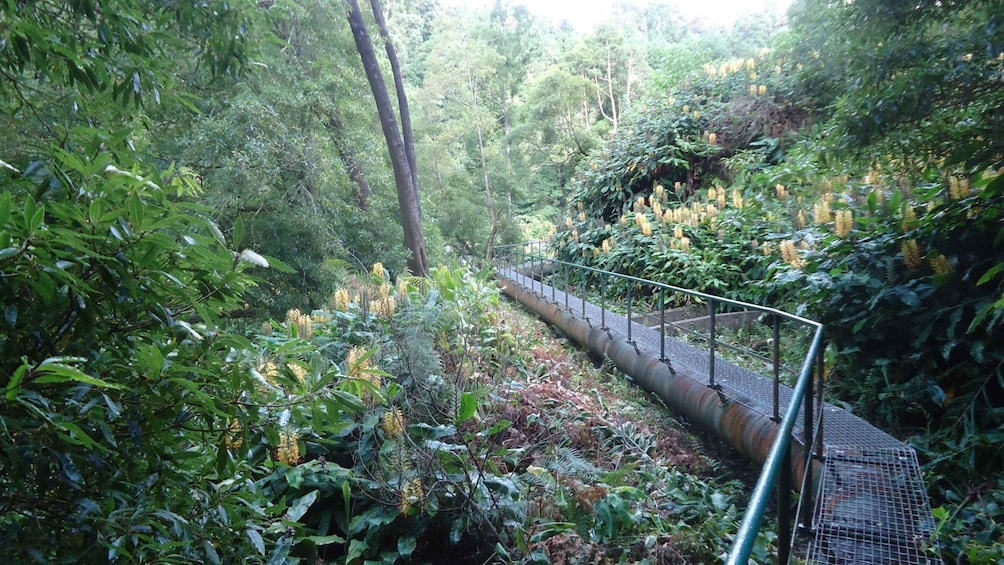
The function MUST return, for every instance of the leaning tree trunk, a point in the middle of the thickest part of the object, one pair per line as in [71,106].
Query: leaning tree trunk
[350,162]
[407,189]
[402,99]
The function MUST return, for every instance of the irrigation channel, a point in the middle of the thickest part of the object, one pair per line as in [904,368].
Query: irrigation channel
[862,495]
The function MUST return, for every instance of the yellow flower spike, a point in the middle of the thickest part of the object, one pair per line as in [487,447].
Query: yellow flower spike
[582,216]
[781,191]
[697,114]
[940,264]
[762,90]
[646,229]
[686,108]
[606,246]
[678,232]
[234,435]
[911,254]
[821,212]
[385,307]
[845,222]
[713,138]
[623,220]
[767,250]
[959,188]
[379,271]
[720,197]
[302,322]
[753,90]
[657,209]
[393,422]
[288,451]
[575,235]
[596,252]
[737,198]
[299,372]
[660,191]
[568,222]
[342,300]
[269,371]
[909,218]
[582,207]
[685,244]
[790,254]
[355,365]
[411,495]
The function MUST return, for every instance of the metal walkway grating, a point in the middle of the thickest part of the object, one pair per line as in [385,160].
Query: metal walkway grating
[872,507]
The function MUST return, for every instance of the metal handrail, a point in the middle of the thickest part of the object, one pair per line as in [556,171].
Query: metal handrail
[777,468]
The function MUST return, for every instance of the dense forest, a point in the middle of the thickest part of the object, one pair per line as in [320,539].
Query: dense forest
[247,314]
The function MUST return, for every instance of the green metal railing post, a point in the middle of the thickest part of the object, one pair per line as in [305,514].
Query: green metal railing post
[603,301]
[712,343]
[777,368]
[821,372]
[784,518]
[629,324]
[567,268]
[806,501]
[554,297]
[662,324]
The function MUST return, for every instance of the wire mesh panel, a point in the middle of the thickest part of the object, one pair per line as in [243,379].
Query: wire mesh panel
[873,509]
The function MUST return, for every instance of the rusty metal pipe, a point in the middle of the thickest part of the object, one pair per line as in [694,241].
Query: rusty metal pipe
[748,431]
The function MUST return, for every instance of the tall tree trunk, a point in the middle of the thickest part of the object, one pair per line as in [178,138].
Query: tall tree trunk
[351,163]
[489,197]
[610,92]
[402,99]
[407,189]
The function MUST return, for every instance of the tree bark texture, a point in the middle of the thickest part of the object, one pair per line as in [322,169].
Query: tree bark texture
[402,99]
[407,189]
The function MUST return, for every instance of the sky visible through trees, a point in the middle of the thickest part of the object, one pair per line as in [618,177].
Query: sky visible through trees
[585,15]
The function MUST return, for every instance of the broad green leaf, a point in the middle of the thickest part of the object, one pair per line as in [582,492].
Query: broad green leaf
[406,546]
[60,373]
[256,540]
[300,506]
[468,407]
[326,540]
